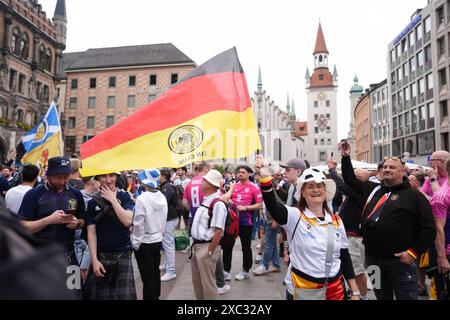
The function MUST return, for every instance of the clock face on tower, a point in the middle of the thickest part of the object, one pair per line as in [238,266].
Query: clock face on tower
[321,96]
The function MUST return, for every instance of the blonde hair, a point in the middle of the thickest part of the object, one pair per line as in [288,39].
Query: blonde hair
[75,164]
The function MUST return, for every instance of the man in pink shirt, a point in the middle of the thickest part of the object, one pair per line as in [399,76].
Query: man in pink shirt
[437,176]
[246,198]
[441,211]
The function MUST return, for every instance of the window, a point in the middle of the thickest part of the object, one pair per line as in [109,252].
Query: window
[415,119]
[316,129]
[19,115]
[15,41]
[316,117]
[442,74]
[316,104]
[90,123]
[24,46]
[399,74]
[404,46]
[419,32]
[412,39]
[87,138]
[327,103]
[153,79]
[321,77]
[111,102]
[93,83]
[91,102]
[174,79]
[48,60]
[22,79]
[322,156]
[421,86]
[440,47]
[427,24]
[69,144]
[375,133]
[109,121]
[328,116]
[392,56]
[74,84]
[430,110]
[46,94]
[322,142]
[413,90]
[429,79]
[131,101]
[427,53]
[277,150]
[412,64]
[406,94]
[420,59]
[132,81]
[112,82]
[73,103]
[329,141]
[42,57]
[328,129]
[422,117]
[315,142]
[440,15]
[405,72]
[71,123]
[151,97]
[444,108]
[398,49]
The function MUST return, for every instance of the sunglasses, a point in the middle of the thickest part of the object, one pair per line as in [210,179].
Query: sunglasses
[395,159]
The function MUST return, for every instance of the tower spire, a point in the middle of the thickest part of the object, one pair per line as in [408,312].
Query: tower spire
[259,80]
[321,46]
[294,116]
[288,106]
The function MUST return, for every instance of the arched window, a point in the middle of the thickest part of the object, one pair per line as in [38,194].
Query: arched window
[320,59]
[15,41]
[48,60]
[29,118]
[42,56]
[277,150]
[263,144]
[25,46]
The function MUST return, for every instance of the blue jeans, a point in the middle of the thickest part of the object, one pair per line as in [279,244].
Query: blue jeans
[395,278]
[255,222]
[270,247]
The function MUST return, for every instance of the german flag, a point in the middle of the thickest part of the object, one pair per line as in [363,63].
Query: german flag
[207,115]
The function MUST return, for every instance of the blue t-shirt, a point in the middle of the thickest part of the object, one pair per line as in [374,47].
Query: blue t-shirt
[111,237]
[42,201]
[4,184]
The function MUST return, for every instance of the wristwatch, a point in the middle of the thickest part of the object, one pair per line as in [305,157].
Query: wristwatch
[356,293]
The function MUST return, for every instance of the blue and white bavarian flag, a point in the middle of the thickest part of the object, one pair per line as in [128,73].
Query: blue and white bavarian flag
[44,141]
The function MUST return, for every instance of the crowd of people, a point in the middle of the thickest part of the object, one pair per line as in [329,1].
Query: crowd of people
[330,228]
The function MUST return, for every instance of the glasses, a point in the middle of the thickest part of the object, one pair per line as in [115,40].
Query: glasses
[395,158]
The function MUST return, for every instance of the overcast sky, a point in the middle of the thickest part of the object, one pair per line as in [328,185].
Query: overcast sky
[278,35]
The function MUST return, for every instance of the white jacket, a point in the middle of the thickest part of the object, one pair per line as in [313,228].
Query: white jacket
[149,221]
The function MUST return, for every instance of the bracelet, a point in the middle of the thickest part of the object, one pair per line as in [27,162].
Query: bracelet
[267,191]
[356,294]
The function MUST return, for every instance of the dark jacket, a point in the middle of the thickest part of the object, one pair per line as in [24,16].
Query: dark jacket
[406,221]
[168,190]
[350,210]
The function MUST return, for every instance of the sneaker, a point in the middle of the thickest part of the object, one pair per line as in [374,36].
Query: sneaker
[224,289]
[242,276]
[227,276]
[162,267]
[260,271]
[273,269]
[168,277]
[258,258]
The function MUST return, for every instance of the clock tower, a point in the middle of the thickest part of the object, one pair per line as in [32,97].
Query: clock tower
[321,90]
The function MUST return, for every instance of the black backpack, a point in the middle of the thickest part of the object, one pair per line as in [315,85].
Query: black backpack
[29,268]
